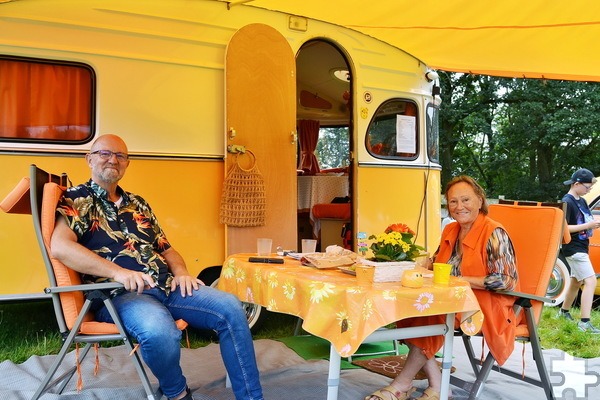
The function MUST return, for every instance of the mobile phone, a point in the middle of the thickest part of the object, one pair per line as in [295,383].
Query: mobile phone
[265,260]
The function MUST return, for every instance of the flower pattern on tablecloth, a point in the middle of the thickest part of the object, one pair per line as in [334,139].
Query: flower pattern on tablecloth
[367,309]
[389,294]
[272,279]
[258,277]
[319,291]
[424,301]
[343,318]
[460,292]
[289,291]
[228,270]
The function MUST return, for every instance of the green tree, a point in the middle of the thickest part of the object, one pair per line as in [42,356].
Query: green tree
[518,137]
[333,147]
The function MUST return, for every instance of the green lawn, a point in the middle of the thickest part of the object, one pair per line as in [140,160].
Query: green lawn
[28,329]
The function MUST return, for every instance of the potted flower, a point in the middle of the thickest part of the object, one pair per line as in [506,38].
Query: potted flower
[395,244]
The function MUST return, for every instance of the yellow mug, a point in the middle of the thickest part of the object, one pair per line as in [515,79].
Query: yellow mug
[441,273]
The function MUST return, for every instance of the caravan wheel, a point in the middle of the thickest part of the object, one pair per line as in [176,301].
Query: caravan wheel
[255,314]
[559,283]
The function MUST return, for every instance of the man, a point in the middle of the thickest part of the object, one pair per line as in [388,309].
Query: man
[109,234]
[581,226]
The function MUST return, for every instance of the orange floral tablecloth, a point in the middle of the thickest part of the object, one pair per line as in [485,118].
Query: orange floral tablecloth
[337,307]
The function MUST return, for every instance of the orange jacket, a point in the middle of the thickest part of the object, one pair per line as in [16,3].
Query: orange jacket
[499,318]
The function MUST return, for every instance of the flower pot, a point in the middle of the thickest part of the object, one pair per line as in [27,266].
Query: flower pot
[383,271]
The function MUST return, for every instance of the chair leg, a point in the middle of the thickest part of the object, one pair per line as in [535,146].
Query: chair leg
[298,327]
[473,360]
[481,377]
[538,357]
[70,339]
[46,384]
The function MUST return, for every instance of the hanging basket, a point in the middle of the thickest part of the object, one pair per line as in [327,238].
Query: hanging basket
[243,201]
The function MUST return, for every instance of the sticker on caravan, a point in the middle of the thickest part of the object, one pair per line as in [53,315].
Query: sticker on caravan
[367,97]
[364,112]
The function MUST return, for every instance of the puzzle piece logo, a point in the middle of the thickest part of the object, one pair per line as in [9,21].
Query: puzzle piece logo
[575,376]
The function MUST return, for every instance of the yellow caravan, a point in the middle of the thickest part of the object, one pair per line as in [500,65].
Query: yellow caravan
[197,88]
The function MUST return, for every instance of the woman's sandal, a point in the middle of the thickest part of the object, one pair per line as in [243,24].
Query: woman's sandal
[391,394]
[429,394]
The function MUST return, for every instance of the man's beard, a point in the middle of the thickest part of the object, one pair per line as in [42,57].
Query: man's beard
[110,176]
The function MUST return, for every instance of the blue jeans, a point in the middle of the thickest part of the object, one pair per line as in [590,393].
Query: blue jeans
[149,318]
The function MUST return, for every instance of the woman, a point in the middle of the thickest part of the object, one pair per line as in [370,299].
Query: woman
[482,254]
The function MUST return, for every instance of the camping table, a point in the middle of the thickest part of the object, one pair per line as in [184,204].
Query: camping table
[335,306]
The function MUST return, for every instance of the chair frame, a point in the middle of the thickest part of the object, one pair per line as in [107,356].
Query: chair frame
[524,303]
[38,179]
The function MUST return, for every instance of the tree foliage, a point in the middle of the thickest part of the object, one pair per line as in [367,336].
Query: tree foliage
[520,138]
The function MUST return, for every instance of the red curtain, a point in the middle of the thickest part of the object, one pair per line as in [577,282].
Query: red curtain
[44,101]
[308,131]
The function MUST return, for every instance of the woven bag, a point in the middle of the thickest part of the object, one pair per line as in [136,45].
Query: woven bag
[243,201]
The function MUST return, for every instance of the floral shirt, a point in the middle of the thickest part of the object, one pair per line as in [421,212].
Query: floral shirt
[128,234]
[501,262]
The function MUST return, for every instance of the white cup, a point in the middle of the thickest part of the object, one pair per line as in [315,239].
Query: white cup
[309,245]
[263,246]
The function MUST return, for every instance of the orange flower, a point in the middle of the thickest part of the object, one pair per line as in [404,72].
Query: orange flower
[401,228]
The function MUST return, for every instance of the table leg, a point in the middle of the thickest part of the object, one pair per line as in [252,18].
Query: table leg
[333,380]
[447,359]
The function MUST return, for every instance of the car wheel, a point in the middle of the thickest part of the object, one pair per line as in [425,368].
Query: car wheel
[255,314]
[559,283]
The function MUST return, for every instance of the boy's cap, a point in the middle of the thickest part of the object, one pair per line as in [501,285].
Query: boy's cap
[582,176]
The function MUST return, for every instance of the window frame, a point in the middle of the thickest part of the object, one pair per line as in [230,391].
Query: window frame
[92,100]
[396,157]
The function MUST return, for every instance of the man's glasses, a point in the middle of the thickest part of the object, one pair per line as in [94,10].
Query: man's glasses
[586,186]
[107,154]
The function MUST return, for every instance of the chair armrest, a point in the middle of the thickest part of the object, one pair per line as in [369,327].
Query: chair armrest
[527,296]
[86,287]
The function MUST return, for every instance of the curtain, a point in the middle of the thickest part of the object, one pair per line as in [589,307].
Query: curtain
[308,132]
[44,101]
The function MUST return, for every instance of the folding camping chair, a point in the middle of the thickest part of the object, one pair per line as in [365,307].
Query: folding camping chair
[536,233]
[71,298]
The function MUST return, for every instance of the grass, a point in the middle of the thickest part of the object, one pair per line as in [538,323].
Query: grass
[28,329]
[564,335]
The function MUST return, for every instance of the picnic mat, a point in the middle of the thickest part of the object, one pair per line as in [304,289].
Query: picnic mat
[312,347]
[286,375]
[390,366]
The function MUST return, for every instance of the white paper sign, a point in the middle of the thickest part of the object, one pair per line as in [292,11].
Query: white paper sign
[405,134]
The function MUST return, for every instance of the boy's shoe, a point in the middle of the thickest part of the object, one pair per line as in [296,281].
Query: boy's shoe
[588,327]
[564,315]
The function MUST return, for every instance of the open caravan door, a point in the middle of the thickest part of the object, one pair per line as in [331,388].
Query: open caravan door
[260,88]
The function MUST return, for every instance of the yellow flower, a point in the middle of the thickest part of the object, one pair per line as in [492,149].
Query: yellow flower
[395,244]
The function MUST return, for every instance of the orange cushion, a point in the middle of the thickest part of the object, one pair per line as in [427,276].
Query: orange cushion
[332,210]
[17,201]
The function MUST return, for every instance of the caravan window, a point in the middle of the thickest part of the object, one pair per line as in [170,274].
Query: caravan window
[433,133]
[43,100]
[393,131]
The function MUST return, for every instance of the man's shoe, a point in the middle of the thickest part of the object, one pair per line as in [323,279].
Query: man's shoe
[588,327]
[188,394]
[564,315]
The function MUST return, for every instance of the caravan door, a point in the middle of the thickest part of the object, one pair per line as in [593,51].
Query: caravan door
[260,89]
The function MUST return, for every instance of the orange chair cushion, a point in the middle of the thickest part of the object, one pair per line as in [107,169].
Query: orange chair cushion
[522,223]
[17,201]
[71,302]
[332,210]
